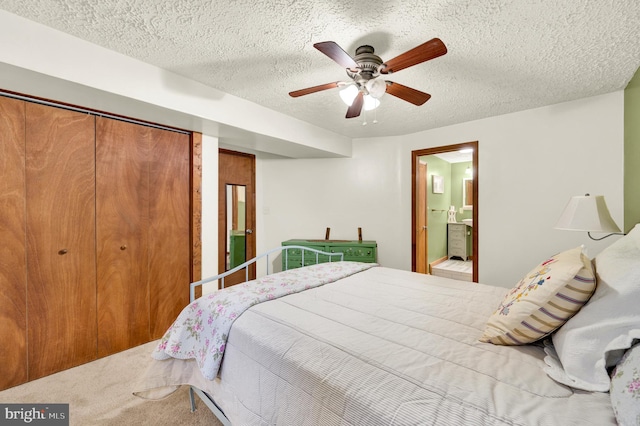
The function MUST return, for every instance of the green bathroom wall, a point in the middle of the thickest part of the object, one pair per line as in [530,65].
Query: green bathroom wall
[437,206]
[632,153]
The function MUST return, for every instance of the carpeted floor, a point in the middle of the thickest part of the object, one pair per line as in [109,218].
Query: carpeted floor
[100,393]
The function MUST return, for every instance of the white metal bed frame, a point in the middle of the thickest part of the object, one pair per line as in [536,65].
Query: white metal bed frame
[206,398]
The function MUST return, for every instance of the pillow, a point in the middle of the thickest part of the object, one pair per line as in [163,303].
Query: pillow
[597,336]
[625,388]
[543,300]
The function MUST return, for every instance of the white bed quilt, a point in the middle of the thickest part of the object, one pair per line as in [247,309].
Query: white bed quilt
[382,347]
[200,332]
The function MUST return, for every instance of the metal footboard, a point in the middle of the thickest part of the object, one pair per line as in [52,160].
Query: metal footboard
[284,249]
[208,401]
[205,397]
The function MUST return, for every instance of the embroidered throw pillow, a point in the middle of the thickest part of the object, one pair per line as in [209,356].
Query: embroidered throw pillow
[625,388]
[543,300]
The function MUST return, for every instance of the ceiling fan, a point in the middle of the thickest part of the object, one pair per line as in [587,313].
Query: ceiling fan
[366,67]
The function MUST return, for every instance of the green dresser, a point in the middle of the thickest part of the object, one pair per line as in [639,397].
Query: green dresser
[357,251]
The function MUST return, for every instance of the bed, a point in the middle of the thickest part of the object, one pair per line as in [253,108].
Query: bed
[381,346]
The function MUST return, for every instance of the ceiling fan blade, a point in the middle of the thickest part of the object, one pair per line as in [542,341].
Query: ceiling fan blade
[313,89]
[356,107]
[426,51]
[408,94]
[337,53]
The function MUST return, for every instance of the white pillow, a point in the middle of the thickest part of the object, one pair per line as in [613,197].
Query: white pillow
[598,335]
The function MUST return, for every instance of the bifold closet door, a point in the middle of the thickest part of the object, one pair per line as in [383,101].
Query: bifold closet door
[143,238]
[169,236]
[13,272]
[61,289]
[122,214]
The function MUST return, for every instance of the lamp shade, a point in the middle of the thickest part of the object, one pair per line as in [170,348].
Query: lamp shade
[587,213]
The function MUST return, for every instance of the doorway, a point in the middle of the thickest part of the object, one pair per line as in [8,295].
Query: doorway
[236,214]
[421,210]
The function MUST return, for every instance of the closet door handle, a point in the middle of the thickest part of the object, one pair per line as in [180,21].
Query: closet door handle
[62,252]
[123,247]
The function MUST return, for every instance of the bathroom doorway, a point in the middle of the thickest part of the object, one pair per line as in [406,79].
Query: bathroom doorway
[430,189]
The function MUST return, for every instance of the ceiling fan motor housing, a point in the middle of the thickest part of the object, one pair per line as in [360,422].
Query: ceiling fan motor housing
[368,64]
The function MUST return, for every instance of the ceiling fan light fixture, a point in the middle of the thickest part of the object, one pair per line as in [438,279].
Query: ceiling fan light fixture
[376,87]
[348,94]
[370,103]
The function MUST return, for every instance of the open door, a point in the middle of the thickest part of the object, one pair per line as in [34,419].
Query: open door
[421,230]
[236,214]
[420,209]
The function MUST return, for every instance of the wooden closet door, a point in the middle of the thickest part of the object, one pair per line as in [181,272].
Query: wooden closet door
[169,241]
[122,214]
[60,185]
[13,268]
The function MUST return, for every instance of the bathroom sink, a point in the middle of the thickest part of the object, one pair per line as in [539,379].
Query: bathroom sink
[468,222]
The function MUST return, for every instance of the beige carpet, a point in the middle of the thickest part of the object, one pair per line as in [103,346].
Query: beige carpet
[100,393]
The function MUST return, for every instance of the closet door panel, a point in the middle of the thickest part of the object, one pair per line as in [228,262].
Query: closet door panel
[169,241]
[122,214]
[13,272]
[60,184]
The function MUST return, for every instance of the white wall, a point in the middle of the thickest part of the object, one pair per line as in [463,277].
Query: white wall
[209,209]
[530,164]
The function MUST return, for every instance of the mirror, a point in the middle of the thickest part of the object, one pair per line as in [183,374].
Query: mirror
[467,194]
[236,225]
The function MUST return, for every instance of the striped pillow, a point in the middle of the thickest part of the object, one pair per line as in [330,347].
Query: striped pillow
[543,300]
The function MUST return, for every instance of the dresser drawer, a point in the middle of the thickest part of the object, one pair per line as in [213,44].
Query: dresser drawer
[296,253]
[457,231]
[457,245]
[297,263]
[356,254]
[309,257]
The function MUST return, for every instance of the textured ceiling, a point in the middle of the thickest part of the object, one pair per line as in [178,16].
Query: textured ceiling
[503,55]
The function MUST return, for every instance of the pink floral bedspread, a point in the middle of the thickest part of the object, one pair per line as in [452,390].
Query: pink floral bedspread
[201,330]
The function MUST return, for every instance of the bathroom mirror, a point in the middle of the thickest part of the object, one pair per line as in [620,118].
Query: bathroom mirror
[467,194]
[236,225]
